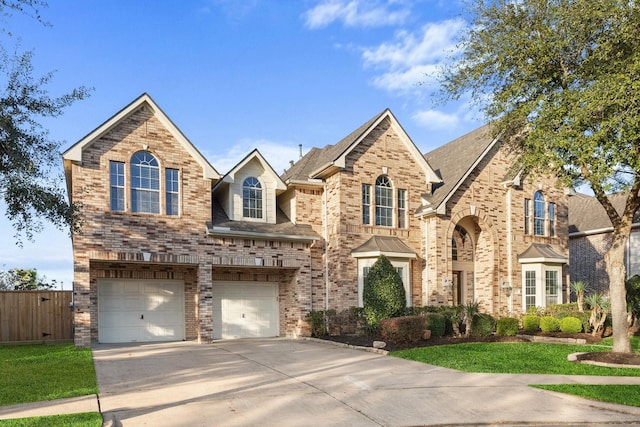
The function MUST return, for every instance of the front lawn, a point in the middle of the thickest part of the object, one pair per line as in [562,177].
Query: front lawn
[533,358]
[86,419]
[512,358]
[32,373]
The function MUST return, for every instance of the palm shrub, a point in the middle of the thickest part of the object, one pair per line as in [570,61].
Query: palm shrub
[383,295]
[549,324]
[599,304]
[571,325]
[580,288]
[531,323]
[507,326]
[469,312]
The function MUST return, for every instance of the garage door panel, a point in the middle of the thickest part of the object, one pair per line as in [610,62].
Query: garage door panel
[245,310]
[142,310]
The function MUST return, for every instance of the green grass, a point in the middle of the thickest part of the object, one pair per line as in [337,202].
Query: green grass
[32,373]
[86,419]
[512,358]
[533,358]
[621,394]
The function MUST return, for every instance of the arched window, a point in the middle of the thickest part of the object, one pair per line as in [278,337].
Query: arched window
[145,183]
[384,201]
[251,198]
[538,214]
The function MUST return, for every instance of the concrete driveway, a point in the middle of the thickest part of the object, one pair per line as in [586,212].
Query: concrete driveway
[278,382]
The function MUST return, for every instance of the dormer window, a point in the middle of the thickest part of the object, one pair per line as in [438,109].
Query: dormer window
[145,183]
[251,198]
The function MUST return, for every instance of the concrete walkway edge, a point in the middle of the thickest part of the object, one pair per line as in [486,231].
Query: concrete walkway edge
[71,405]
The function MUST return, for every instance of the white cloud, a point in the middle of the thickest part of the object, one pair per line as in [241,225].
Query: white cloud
[436,120]
[413,59]
[356,13]
[278,154]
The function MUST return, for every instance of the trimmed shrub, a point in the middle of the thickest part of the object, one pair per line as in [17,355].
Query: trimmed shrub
[571,325]
[450,316]
[436,323]
[531,323]
[402,329]
[482,325]
[507,326]
[549,324]
[383,293]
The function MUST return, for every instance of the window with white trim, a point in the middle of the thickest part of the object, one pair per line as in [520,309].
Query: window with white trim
[172,190]
[116,180]
[527,216]
[552,219]
[366,204]
[251,198]
[145,183]
[384,201]
[551,287]
[530,289]
[402,208]
[539,215]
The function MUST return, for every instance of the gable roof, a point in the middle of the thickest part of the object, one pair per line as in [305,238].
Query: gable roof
[587,216]
[230,176]
[388,246]
[453,162]
[320,163]
[74,153]
[541,252]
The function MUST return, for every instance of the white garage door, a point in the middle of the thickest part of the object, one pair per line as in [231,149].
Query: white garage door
[140,310]
[245,310]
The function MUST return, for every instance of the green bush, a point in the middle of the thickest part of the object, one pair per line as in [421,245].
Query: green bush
[449,318]
[549,324]
[403,329]
[507,326]
[383,293]
[436,323]
[317,323]
[531,323]
[571,325]
[482,325]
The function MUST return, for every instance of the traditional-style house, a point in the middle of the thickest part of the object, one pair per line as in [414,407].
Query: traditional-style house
[169,249]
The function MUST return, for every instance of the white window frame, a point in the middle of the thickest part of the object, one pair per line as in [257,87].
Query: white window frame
[540,270]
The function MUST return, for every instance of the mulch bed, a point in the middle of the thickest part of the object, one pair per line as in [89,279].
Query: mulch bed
[603,357]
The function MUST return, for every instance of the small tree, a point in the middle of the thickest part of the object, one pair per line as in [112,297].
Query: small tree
[383,294]
[599,305]
[580,288]
[19,279]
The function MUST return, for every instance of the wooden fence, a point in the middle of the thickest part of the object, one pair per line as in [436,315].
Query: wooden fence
[36,316]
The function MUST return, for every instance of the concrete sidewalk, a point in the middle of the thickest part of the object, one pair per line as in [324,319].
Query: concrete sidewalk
[72,405]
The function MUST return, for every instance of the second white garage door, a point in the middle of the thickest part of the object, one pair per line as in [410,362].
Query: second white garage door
[245,310]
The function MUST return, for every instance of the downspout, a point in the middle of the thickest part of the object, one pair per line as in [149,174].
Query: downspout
[509,251]
[326,243]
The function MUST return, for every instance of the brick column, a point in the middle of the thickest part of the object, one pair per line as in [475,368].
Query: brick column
[82,302]
[205,302]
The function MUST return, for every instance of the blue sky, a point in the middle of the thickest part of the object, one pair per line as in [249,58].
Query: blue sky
[234,75]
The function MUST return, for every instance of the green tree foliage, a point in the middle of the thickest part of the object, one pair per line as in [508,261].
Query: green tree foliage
[633,299]
[560,82]
[30,177]
[18,279]
[383,293]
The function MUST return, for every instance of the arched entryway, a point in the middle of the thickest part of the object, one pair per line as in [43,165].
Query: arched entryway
[472,254]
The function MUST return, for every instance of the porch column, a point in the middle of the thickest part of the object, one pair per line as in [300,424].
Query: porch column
[205,302]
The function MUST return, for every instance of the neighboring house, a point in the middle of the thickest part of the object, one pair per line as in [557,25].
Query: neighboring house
[590,232]
[169,249]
